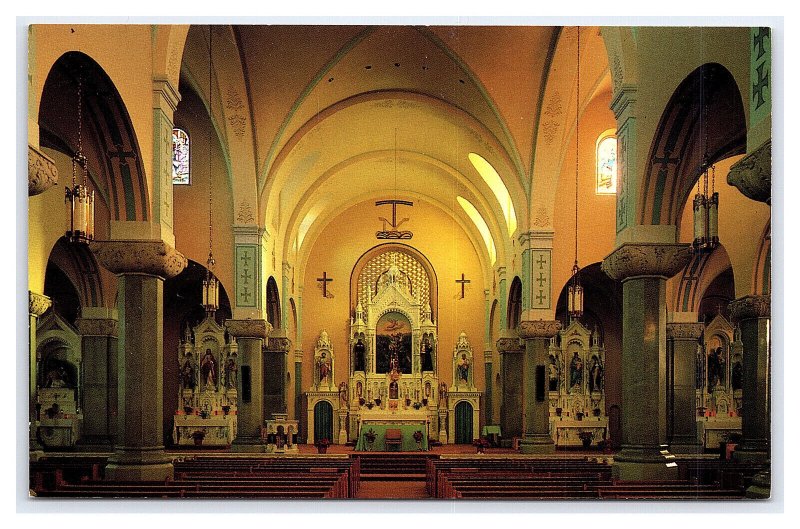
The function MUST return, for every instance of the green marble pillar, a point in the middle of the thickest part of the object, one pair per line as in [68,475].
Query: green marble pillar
[141,267]
[536,408]
[682,342]
[99,341]
[752,314]
[511,359]
[643,269]
[250,336]
[37,305]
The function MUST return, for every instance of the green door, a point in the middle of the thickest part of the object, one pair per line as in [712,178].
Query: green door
[323,421]
[463,423]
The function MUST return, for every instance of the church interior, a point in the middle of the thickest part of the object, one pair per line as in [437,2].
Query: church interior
[347,261]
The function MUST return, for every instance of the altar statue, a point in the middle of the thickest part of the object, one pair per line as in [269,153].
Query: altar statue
[208,368]
[230,373]
[552,374]
[595,375]
[359,353]
[426,355]
[187,375]
[343,394]
[716,368]
[575,370]
[463,368]
[324,367]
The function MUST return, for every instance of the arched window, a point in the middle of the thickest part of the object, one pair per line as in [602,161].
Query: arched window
[607,163]
[180,157]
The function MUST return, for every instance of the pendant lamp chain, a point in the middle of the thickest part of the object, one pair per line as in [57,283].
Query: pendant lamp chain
[210,283]
[575,290]
[78,199]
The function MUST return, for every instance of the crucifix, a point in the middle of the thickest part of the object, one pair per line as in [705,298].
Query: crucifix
[463,282]
[393,233]
[120,152]
[324,280]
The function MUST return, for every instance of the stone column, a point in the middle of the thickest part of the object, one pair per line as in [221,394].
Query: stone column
[276,354]
[511,361]
[682,340]
[536,334]
[99,341]
[250,336]
[752,314]
[37,305]
[643,269]
[443,426]
[298,384]
[487,359]
[141,267]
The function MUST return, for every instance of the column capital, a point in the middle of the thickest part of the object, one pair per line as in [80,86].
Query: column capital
[154,257]
[97,326]
[623,103]
[165,93]
[248,328]
[752,175]
[646,259]
[536,238]
[287,268]
[42,171]
[684,331]
[298,356]
[38,303]
[530,330]
[509,345]
[749,308]
[279,343]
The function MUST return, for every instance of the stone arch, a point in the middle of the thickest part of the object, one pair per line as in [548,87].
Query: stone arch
[696,278]
[514,309]
[707,103]
[762,273]
[273,303]
[109,139]
[84,273]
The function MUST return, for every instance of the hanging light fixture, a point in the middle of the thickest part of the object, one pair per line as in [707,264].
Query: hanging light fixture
[705,206]
[210,283]
[78,199]
[575,290]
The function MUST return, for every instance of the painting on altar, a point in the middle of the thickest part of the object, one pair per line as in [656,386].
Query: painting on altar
[393,343]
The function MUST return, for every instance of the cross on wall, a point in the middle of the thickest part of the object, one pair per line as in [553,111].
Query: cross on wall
[463,282]
[324,280]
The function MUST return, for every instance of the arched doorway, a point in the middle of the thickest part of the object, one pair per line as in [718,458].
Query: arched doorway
[463,414]
[323,421]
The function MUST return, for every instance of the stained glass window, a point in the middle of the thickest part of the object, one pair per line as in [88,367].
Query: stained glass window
[607,164]
[180,157]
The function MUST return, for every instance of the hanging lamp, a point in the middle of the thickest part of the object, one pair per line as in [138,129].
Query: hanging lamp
[705,205]
[575,290]
[79,199]
[210,283]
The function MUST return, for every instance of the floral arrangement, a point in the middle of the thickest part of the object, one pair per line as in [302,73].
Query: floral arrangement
[585,436]
[481,444]
[370,436]
[418,436]
[325,442]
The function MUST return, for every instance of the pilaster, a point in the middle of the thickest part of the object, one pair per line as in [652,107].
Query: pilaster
[682,343]
[537,273]
[536,408]
[165,101]
[250,242]
[643,269]
[752,314]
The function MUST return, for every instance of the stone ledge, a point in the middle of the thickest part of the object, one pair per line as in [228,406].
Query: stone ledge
[38,303]
[42,172]
[143,257]
[248,328]
[749,308]
[684,331]
[646,260]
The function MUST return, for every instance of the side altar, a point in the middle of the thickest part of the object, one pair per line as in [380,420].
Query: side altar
[208,394]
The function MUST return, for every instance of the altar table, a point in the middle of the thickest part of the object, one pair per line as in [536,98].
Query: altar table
[407,431]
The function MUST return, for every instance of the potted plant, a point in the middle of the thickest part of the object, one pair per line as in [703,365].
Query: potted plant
[361,401]
[370,437]
[322,445]
[226,409]
[370,405]
[586,438]
[198,436]
[481,444]
[418,438]
[188,410]
[417,405]
[378,401]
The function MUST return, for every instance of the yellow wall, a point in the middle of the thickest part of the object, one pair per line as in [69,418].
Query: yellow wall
[436,235]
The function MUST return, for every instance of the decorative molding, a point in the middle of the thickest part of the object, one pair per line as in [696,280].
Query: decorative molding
[617,73]
[42,171]
[530,330]
[38,303]
[542,219]
[97,326]
[248,328]
[280,343]
[752,175]
[234,103]
[164,90]
[139,257]
[646,259]
[245,215]
[749,307]
[510,345]
[684,331]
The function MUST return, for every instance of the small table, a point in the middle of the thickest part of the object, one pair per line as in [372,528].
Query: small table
[492,433]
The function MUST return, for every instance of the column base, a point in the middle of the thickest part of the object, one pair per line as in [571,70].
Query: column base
[537,444]
[249,444]
[685,447]
[139,465]
[94,443]
[751,455]
[644,464]
[761,487]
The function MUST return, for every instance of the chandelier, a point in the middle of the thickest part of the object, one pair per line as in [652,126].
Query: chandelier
[575,290]
[78,199]
[705,205]
[210,283]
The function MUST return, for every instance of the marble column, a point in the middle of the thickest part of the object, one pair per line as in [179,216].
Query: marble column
[99,342]
[643,269]
[752,313]
[276,355]
[511,360]
[37,305]
[141,267]
[250,336]
[298,388]
[682,342]
[536,334]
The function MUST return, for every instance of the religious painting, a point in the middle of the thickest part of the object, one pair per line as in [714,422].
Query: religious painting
[393,343]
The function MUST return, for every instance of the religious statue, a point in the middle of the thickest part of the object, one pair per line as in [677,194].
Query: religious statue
[700,368]
[716,368]
[359,353]
[187,375]
[463,368]
[208,368]
[426,355]
[324,368]
[230,373]
[56,377]
[343,394]
[443,395]
[575,370]
[736,376]
[552,374]
[595,375]
[393,393]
